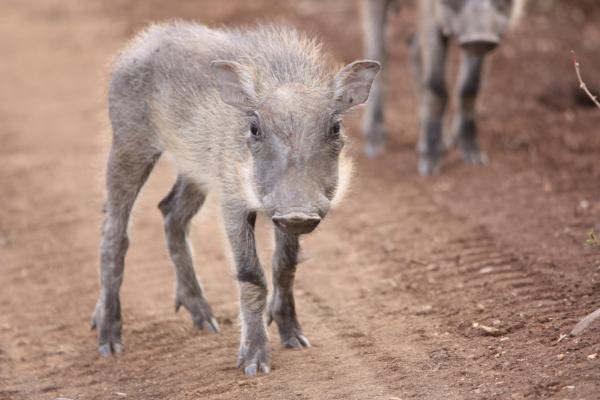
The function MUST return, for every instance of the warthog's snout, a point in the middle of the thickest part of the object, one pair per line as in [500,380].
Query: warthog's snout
[296,222]
[479,43]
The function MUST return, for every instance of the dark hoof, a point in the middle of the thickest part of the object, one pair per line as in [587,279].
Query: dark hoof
[200,311]
[296,341]
[108,325]
[108,349]
[211,325]
[254,359]
[475,157]
[290,331]
[428,166]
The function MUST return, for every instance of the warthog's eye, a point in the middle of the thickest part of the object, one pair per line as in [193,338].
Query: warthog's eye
[335,129]
[334,139]
[254,130]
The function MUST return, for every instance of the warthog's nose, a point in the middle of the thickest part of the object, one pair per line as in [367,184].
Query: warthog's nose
[479,47]
[296,222]
[479,43]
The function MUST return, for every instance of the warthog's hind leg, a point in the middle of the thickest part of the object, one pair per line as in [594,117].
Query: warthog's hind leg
[178,208]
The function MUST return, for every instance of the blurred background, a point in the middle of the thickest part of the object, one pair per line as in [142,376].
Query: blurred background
[396,284]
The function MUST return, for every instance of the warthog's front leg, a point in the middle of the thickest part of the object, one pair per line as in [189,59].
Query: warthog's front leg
[282,308]
[255,352]
[127,171]
[465,128]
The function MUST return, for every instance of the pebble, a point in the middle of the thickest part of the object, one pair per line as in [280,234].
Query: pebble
[489,330]
[424,310]
[560,357]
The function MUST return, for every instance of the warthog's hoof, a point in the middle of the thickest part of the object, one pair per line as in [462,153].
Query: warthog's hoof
[254,358]
[474,156]
[107,349]
[290,331]
[470,152]
[296,340]
[200,310]
[109,332]
[429,166]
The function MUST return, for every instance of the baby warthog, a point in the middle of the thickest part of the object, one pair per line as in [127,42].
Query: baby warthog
[255,116]
[478,26]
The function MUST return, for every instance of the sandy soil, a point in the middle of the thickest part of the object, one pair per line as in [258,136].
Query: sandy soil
[393,281]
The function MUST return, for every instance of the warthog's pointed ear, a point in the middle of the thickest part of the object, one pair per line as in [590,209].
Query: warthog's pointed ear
[353,83]
[235,84]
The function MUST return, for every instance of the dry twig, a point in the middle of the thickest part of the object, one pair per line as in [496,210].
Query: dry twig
[592,240]
[582,84]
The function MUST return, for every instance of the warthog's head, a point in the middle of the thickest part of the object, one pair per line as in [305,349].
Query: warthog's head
[477,24]
[295,140]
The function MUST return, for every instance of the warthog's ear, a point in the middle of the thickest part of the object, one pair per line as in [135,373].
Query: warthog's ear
[353,83]
[235,84]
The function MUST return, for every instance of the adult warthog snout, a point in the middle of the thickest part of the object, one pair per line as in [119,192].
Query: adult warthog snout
[480,25]
[480,44]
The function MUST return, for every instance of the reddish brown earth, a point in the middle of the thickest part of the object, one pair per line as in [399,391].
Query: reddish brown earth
[393,281]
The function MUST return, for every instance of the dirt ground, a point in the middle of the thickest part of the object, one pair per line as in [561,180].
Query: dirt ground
[394,279]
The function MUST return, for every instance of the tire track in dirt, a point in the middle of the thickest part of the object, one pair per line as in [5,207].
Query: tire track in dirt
[468,276]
